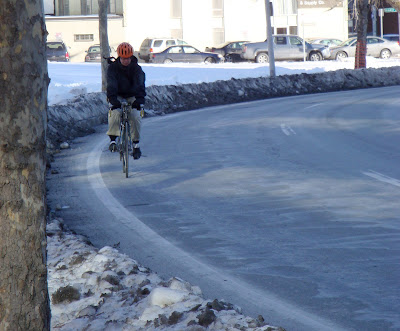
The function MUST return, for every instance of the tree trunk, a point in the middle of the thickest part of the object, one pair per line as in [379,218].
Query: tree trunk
[362,7]
[104,46]
[24,302]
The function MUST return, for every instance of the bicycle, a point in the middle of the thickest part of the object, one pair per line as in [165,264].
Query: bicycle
[125,145]
[125,141]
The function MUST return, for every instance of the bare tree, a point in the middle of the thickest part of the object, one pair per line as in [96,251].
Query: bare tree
[104,45]
[24,302]
[362,9]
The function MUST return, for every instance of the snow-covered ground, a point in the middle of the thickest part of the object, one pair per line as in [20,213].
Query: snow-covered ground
[71,79]
[99,288]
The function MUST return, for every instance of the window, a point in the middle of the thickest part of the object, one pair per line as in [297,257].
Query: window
[157,43]
[146,43]
[190,50]
[112,8]
[292,29]
[95,49]
[63,8]
[281,31]
[175,50]
[280,40]
[218,8]
[170,43]
[295,41]
[374,41]
[86,7]
[176,8]
[83,37]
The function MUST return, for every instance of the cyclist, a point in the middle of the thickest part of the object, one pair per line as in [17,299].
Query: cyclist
[125,81]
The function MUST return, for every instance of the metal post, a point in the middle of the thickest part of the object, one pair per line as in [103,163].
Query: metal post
[373,16]
[398,18]
[270,40]
[304,41]
[381,13]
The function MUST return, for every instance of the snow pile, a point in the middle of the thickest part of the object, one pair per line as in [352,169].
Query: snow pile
[100,289]
[77,117]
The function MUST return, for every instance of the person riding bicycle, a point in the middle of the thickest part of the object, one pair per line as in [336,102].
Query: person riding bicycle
[125,81]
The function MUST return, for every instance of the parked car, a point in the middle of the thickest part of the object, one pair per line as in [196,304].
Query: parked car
[229,50]
[93,54]
[325,41]
[286,47]
[156,45]
[376,47]
[185,53]
[57,51]
[392,37]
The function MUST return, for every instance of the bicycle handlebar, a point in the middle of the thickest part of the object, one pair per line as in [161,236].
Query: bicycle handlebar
[141,109]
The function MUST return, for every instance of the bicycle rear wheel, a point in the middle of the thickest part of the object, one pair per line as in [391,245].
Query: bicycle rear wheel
[126,150]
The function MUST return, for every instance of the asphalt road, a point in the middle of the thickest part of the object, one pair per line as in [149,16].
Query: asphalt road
[286,207]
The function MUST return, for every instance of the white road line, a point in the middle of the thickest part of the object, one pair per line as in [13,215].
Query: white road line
[287,130]
[382,177]
[312,106]
[266,300]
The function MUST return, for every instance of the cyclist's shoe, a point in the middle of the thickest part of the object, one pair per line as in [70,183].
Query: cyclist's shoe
[136,153]
[112,147]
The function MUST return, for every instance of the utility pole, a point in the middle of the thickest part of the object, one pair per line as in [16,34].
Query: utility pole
[373,16]
[270,42]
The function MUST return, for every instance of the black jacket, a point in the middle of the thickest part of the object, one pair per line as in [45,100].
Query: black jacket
[125,82]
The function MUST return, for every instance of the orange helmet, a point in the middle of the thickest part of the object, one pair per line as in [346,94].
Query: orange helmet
[125,50]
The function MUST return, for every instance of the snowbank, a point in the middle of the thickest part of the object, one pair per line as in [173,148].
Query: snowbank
[101,289]
[78,117]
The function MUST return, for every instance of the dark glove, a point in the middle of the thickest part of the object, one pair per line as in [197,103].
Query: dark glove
[115,103]
[138,103]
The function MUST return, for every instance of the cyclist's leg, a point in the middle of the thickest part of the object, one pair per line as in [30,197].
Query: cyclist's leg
[113,127]
[135,124]
[114,119]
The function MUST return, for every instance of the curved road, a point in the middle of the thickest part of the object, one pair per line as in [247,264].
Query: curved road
[287,207]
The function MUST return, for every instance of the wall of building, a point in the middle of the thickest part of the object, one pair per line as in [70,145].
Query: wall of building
[66,27]
[245,21]
[323,23]
[150,18]
[241,20]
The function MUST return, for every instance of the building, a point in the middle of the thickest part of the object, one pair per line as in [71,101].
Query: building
[200,23]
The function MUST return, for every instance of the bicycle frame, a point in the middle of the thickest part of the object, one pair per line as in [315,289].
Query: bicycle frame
[125,141]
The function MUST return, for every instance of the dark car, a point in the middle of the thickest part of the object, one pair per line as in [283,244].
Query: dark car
[185,53]
[93,54]
[229,50]
[57,51]
[157,45]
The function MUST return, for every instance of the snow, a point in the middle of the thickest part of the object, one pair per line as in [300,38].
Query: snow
[101,289]
[71,79]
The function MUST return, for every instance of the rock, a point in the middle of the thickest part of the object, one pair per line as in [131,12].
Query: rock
[64,145]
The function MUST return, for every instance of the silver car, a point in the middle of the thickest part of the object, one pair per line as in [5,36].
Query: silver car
[376,47]
[286,48]
[325,41]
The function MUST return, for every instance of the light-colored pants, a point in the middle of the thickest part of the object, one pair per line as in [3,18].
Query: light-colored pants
[114,120]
